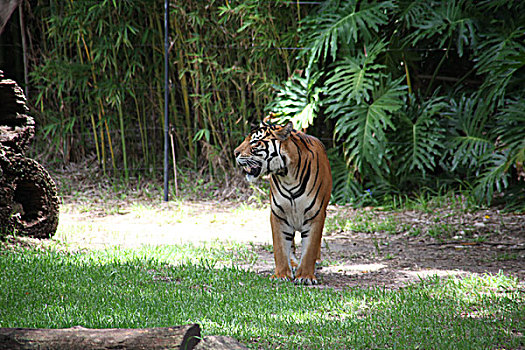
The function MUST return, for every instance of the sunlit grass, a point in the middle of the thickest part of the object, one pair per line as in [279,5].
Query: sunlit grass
[171,285]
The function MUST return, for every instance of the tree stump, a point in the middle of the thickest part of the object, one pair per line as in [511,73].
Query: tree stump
[28,195]
[17,128]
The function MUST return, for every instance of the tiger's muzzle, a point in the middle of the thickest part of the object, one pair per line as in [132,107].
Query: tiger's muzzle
[251,167]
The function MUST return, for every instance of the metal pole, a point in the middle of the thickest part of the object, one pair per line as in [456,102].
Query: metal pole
[166,97]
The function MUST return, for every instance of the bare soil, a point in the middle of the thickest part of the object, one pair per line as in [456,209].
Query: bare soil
[391,250]
[361,247]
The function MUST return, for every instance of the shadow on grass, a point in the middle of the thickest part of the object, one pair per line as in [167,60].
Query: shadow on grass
[154,287]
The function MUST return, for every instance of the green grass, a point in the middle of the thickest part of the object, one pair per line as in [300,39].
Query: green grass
[365,222]
[172,285]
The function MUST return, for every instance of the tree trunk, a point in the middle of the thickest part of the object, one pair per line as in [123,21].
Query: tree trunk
[28,197]
[79,338]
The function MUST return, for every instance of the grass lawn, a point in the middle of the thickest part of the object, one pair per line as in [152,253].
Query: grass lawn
[172,285]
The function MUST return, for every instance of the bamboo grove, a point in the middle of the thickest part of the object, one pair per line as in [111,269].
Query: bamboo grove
[99,77]
[407,95]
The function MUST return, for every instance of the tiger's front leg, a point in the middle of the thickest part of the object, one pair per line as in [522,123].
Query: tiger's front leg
[310,253]
[282,247]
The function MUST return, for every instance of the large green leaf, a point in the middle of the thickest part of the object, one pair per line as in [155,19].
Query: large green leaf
[298,101]
[501,56]
[355,78]
[510,153]
[344,24]
[446,21]
[362,127]
[419,140]
[469,142]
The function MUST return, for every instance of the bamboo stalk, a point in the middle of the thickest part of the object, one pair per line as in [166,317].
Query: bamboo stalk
[123,141]
[174,163]
[184,85]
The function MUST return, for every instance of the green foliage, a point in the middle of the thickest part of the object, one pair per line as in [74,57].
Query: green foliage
[468,121]
[342,24]
[423,94]
[417,94]
[98,71]
[298,101]
[509,153]
[364,127]
[420,139]
[348,188]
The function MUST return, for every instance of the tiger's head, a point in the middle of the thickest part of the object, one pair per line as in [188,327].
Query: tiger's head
[261,153]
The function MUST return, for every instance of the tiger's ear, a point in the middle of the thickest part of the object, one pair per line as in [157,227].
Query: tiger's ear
[284,132]
[269,117]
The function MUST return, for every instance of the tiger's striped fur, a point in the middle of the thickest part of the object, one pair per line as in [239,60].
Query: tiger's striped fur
[300,188]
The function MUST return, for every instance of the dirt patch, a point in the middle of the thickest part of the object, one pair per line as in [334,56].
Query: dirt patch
[366,247]
[418,244]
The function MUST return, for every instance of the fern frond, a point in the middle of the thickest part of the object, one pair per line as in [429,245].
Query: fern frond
[500,56]
[494,176]
[411,12]
[346,188]
[510,133]
[511,128]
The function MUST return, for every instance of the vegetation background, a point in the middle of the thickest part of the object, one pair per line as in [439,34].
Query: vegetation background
[408,96]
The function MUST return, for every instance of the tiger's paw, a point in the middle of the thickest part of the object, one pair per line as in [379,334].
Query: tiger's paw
[281,277]
[306,280]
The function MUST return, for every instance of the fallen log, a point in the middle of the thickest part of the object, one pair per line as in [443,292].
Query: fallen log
[80,338]
[218,342]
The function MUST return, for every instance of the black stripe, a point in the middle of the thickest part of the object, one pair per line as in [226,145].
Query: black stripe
[315,179]
[274,202]
[303,182]
[299,161]
[278,187]
[315,215]
[302,175]
[313,200]
[302,139]
[280,218]
[304,234]
[288,236]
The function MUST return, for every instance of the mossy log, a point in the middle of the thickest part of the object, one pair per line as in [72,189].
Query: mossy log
[28,197]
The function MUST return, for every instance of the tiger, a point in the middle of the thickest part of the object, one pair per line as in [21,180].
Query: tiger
[300,189]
